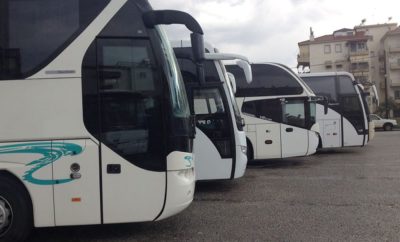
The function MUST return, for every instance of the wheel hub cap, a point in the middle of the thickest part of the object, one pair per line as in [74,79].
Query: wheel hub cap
[5,216]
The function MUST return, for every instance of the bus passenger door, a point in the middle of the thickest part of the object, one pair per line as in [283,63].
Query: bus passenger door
[132,132]
[294,141]
[76,182]
[293,129]
[215,141]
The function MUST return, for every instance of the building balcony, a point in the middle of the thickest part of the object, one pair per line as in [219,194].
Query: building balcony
[395,66]
[303,59]
[395,84]
[393,49]
[364,73]
[359,58]
[359,52]
[360,69]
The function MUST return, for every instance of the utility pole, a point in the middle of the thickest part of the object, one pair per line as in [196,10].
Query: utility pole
[386,85]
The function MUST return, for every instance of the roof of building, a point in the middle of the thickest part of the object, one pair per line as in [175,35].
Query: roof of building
[374,25]
[358,36]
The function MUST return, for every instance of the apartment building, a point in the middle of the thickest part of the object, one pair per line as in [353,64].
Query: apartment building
[358,50]
[390,66]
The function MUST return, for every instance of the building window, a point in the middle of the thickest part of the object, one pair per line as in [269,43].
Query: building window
[328,67]
[361,46]
[338,48]
[327,49]
[397,95]
[353,47]
[339,67]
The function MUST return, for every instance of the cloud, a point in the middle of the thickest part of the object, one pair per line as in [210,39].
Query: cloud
[267,30]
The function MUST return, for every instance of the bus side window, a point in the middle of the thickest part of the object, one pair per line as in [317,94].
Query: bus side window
[294,113]
[269,109]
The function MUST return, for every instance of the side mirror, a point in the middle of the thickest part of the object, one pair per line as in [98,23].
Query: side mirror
[376,99]
[246,69]
[192,133]
[232,80]
[326,105]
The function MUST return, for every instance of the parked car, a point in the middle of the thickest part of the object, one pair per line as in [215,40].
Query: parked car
[386,124]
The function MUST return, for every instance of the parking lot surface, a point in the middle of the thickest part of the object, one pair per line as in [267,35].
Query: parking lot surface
[345,195]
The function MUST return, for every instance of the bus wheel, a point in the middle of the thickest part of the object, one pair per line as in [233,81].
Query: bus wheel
[387,127]
[250,151]
[15,210]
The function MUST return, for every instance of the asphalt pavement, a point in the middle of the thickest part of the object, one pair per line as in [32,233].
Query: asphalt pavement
[343,195]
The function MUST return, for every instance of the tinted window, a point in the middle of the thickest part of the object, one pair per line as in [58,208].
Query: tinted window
[188,67]
[346,85]
[213,120]
[287,111]
[268,80]
[341,91]
[323,86]
[208,101]
[264,109]
[34,32]
[294,113]
[131,97]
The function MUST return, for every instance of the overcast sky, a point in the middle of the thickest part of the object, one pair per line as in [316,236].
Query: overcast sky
[269,30]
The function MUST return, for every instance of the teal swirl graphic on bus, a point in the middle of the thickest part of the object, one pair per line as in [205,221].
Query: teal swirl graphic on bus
[189,160]
[50,151]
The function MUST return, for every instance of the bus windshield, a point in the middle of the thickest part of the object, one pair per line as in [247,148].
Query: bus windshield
[180,104]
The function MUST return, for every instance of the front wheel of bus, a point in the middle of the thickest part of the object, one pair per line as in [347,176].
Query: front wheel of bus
[15,211]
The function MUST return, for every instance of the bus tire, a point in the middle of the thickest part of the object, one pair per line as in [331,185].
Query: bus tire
[388,127]
[250,151]
[16,220]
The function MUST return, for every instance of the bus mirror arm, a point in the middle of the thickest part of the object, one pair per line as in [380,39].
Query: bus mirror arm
[246,67]
[232,80]
[326,105]
[376,99]
[167,17]
[192,133]
[198,54]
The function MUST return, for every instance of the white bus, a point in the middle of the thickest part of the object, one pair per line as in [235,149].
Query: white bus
[220,143]
[279,112]
[347,121]
[95,125]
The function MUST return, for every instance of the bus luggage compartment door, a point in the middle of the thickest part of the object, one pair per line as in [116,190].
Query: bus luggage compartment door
[268,141]
[331,133]
[76,182]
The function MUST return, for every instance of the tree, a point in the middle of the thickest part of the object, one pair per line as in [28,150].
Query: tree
[392,106]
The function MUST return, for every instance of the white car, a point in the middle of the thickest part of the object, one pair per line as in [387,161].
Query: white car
[386,124]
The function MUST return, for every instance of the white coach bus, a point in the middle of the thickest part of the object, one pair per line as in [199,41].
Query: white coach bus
[220,143]
[347,122]
[279,112]
[95,125]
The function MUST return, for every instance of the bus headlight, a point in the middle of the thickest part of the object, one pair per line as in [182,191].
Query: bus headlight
[243,149]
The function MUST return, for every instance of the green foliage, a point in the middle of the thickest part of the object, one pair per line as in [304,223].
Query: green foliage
[392,106]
